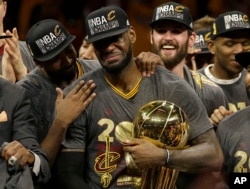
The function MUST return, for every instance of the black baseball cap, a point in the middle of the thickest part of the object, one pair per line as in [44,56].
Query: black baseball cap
[243,58]
[228,22]
[106,22]
[48,38]
[202,37]
[173,11]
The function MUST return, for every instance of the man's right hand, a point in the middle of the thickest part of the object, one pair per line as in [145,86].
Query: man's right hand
[70,107]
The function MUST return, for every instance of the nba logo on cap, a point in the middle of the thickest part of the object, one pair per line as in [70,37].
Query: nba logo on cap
[236,20]
[173,11]
[106,22]
[47,38]
[51,40]
[202,37]
[228,22]
[169,11]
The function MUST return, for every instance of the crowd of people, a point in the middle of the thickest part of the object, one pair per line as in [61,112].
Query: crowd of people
[67,115]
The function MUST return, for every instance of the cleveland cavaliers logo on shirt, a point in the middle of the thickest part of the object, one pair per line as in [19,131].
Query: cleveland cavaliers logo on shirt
[106,162]
[51,40]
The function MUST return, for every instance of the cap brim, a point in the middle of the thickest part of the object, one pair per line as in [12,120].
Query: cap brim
[243,58]
[106,35]
[53,54]
[5,36]
[229,31]
[171,19]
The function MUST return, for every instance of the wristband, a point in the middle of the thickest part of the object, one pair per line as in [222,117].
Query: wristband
[167,157]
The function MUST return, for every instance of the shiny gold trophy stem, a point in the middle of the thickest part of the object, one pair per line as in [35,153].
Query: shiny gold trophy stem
[159,178]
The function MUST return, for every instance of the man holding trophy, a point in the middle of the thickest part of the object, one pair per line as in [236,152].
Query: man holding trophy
[135,122]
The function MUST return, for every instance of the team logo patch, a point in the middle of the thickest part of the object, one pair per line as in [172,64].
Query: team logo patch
[236,21]
[51,40]
[170,11]
[103,23]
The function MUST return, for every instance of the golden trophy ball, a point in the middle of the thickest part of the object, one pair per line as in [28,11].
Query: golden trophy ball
[166,125]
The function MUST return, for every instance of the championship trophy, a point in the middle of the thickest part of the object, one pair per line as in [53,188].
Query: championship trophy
[166,125]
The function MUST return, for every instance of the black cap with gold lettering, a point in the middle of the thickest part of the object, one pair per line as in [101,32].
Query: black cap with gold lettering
[106,22]
[228,22]
[47,38]
[173,11]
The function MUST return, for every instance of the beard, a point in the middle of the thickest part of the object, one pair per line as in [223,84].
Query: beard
[117,68]
[67,74]
[173,61]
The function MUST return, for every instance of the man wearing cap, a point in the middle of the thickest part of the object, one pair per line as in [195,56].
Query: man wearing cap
[201,56]
[233,131]
[171,35]
[50,45]
[230,35]
[97,144]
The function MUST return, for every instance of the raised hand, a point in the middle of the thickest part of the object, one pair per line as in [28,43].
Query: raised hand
[13,55]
